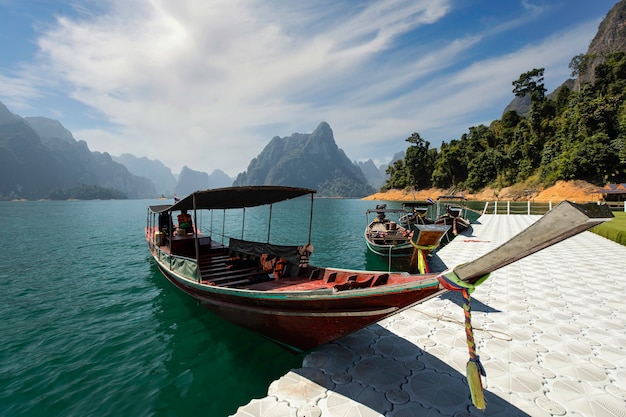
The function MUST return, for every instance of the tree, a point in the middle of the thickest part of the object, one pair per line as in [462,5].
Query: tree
[449,168]
[418,161]
[579,65]
[397,176]
[531,83]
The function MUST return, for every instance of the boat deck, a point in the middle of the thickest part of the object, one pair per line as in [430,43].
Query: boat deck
[550,331]
[219,266]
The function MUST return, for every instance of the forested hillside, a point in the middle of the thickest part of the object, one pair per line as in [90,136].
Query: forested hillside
[577,134]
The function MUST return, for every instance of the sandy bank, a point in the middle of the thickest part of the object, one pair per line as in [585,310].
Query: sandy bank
[578,191]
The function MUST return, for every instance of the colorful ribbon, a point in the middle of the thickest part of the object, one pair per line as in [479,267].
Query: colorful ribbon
[475,369]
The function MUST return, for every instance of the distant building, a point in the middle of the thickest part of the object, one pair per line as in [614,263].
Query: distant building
[613,192]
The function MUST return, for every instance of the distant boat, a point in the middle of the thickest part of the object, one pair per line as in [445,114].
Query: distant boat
[452,211]
[385,236]
[417,213]
[410,237]
[272,289]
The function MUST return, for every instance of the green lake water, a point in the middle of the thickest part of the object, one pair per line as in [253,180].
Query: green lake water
[89,327]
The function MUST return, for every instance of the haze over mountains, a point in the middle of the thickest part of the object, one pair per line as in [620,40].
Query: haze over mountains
[39,157]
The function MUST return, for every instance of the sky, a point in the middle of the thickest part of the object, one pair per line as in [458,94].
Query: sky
[207,84]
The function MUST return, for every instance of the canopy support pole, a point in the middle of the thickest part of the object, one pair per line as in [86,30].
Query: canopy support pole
[269,223]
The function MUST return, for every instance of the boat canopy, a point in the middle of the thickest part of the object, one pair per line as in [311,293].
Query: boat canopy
[451,197]
[235,197]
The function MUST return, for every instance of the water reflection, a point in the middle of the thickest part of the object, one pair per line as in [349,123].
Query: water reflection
[211,366]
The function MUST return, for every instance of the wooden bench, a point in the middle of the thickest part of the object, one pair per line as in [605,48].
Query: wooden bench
[239,277]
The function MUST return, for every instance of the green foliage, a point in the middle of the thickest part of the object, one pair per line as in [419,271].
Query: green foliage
[574,135]
[530,83]
[579,65]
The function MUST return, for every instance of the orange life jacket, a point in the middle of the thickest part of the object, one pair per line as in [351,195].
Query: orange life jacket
[279,268]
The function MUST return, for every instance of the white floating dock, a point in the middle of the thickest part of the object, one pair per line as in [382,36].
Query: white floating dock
[550,331]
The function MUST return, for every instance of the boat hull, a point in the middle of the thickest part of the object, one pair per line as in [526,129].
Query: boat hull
[301,321]
[395,251]
[457,224]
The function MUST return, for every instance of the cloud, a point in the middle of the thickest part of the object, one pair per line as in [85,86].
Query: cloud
[195,83]
[18,90]
[207,84]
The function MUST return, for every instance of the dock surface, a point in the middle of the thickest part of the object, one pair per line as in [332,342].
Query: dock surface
[550,330]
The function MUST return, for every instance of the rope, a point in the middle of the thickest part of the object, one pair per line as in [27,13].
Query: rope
[475,369]
[422,264]
[496,334]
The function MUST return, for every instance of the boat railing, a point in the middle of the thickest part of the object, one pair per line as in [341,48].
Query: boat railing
[616,205]
[181,265]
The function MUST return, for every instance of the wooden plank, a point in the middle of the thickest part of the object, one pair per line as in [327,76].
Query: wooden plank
[235,275]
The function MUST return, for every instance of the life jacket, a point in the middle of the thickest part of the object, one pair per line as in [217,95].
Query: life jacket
[273,264]
[279,268]
[268,262]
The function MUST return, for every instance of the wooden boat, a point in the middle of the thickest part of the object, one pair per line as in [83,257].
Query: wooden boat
[416,214]
[408,238]
[452,211]
[273,290]
[386,237]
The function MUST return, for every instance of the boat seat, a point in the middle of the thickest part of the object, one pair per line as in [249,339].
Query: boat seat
[242,278]
[353,284]
[315,274]
[332,277]
[380,280]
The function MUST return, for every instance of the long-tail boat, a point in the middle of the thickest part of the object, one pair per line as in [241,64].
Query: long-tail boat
[451,210]
[408,239]
[273,290]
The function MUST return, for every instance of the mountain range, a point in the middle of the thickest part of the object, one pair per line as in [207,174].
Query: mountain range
[39,158]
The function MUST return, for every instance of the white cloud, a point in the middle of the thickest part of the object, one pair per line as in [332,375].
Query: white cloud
[17,90]
[208,76]
[207,84]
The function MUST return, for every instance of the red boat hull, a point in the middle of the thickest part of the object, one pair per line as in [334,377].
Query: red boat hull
[303,323]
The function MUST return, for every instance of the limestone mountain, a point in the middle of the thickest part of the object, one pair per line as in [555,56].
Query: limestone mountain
[162,178]
[190,180]
[310,160]
[611,37]
[219,179]
[374,175]
[39,156]
[27,169]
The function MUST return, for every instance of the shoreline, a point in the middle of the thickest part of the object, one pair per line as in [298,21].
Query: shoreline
[576,191]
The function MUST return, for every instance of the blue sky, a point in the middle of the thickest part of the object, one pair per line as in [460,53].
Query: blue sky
[207,84]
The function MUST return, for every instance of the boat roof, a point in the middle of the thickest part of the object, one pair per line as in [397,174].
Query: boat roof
[235,197]
[385,210]
[451,197]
